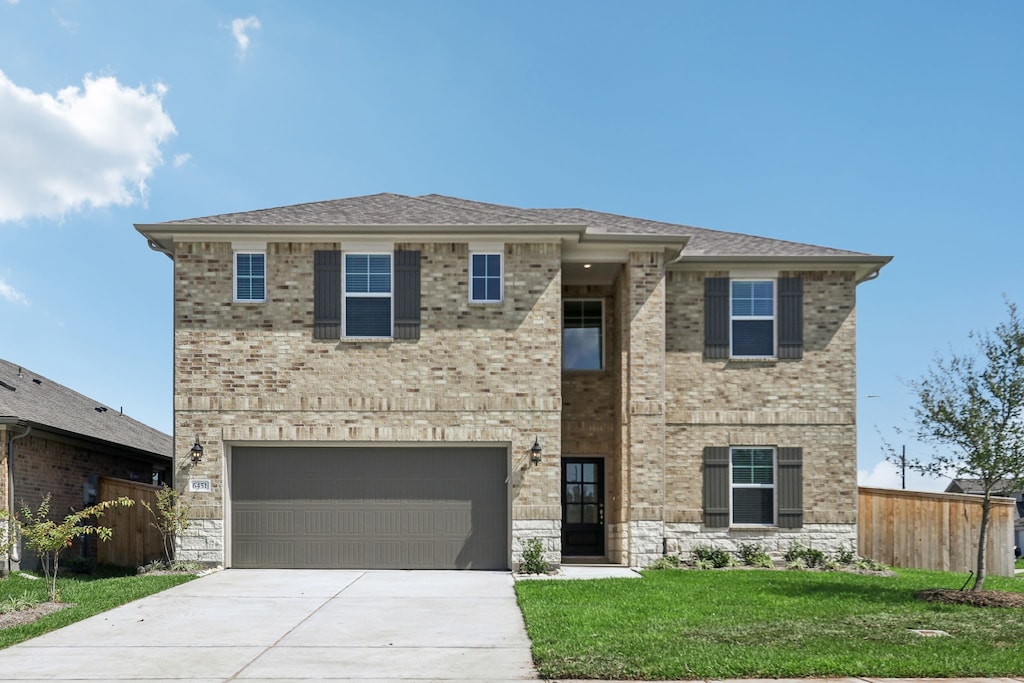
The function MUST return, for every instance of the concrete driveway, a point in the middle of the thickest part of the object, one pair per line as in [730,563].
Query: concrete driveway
[292,625]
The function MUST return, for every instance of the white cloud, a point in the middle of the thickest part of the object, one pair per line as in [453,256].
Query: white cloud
[11,294]
[239,28]
[95,145]
[886,475]
[181,159]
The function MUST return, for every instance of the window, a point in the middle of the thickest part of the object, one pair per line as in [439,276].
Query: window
[485,278]
[753,485]
[250,276]
[582,331]
[367,297]
[752,306]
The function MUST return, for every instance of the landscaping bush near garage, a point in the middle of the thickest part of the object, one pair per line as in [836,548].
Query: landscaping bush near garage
[767,624]
[26,613]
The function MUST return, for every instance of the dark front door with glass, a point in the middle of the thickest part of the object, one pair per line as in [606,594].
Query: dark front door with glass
[583,506]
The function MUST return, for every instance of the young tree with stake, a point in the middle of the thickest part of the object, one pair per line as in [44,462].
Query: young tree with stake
[972,406]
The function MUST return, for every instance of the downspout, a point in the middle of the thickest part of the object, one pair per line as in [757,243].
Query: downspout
[14,556]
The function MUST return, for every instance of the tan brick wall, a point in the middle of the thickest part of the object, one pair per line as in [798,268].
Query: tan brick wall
[809,403]
[486,373]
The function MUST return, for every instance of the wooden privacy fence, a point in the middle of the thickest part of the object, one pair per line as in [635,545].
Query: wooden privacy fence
[135,542]
[921,530]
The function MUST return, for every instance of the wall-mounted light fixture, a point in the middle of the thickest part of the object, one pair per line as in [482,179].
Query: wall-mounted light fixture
[196,454]
[535,451]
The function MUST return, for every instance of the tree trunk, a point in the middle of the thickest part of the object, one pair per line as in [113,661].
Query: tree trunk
[979,576]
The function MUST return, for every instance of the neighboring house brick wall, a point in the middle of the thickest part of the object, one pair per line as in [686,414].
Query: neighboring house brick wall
[58,467]
[479,373]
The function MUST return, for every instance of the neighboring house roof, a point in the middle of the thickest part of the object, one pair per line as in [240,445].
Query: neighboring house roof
[973,486]
[35,400]
[393,211]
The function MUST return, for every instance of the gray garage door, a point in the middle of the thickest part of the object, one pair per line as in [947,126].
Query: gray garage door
[369,508]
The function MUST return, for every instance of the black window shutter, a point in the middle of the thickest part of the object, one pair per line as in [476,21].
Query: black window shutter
[716,317]
[407,295]
[790,488]
[791,317]
[716,486]
[326,294]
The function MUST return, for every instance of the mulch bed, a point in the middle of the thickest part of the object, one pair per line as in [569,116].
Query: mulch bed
[27,616]
[979,599]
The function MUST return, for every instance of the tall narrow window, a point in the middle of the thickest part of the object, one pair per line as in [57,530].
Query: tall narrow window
[250,276]
[485,278]
[582,334]
[753,485]
[753,318]
[368,309]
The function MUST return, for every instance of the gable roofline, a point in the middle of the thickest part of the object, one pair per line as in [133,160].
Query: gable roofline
[584,234]
[28,398]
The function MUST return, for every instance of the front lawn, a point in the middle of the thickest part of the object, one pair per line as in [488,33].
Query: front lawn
[89,594]
[766,624]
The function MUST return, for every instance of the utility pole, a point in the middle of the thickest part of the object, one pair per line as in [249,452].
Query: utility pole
[903,467]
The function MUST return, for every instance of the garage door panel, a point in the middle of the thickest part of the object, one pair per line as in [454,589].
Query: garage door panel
[315,507]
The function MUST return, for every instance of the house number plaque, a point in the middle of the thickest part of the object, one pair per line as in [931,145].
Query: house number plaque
[199,486]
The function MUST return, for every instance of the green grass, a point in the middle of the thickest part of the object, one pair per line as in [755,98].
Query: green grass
[767,624]
[89,594]
[1019,564]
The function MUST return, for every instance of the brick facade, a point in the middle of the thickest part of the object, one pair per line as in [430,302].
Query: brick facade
[490,374]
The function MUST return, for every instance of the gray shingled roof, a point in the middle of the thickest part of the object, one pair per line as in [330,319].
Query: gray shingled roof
[973,486]
[394,210]
[25,395]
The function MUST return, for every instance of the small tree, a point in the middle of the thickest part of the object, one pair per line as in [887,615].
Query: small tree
[973,405]
[48,539]
[170,518]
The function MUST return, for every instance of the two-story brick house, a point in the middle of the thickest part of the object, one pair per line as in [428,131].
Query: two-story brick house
[393,381]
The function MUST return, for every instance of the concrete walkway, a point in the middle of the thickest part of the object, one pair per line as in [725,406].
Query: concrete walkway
[295,626]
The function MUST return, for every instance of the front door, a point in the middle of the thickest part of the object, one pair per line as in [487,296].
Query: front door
[583,506]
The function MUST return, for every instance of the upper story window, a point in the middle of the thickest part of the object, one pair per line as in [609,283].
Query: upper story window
[367,295]
[583,334]
[485,278]
[752,307]
[753,485]
[250,276]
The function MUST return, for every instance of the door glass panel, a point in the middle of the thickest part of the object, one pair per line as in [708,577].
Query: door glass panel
[589,493]
[572,471]
[572,493]
[590,514]
[589,472]
[572,514]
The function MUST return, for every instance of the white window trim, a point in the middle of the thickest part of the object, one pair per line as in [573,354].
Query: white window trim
[774,317]
[234,278]
[774,487]
[604,338]
[367,295]
[501,276]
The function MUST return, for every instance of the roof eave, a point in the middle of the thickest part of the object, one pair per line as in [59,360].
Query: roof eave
[866,266]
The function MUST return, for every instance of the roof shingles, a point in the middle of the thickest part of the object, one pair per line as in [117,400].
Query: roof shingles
[433,209]
[38,400]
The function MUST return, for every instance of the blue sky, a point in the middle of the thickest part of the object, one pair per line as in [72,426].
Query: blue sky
[889,128]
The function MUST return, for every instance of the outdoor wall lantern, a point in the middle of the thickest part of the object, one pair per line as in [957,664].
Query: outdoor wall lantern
[196,454]
[535,451]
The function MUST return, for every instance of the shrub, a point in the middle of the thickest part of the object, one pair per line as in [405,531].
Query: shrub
[533,561]
[845,556]
[170,518]
[714,557]
[810,557]
[665,562]
[753,555]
